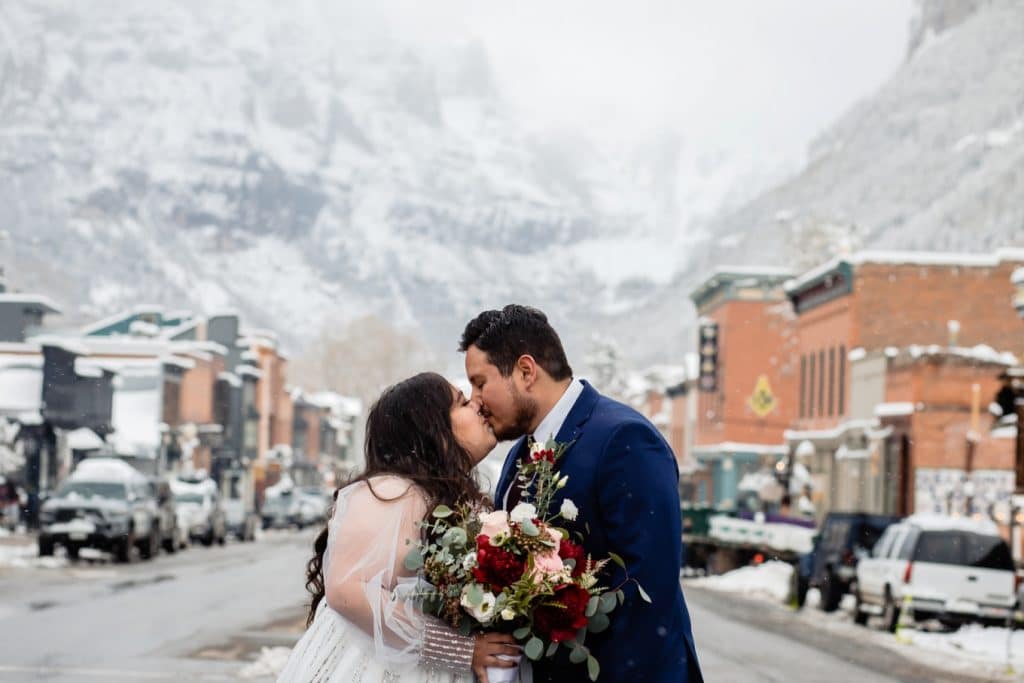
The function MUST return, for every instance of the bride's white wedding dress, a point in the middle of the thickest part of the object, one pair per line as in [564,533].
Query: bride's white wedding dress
[368,628]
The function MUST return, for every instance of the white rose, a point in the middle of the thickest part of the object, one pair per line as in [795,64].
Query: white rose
[522,513]
[569,510]
[508,614]
[469,561]
[484,612]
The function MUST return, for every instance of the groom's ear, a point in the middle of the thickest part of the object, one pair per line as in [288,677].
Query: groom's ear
[526,368]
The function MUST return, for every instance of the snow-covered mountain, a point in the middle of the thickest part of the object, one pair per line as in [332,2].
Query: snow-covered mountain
[298,162]
[933,160]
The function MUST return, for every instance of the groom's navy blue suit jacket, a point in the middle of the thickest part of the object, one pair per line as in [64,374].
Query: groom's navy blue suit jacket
[624,480]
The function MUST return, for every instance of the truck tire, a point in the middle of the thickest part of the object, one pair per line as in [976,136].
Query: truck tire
[860,617]
[831,593]
[124,547]
[891,615]
[45,546]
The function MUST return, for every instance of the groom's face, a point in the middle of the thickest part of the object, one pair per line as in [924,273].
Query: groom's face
[507,407]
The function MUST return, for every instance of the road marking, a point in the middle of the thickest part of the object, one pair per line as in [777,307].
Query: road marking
[118,673]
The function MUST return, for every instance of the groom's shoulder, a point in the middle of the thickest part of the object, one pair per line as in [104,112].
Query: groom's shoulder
[612,415]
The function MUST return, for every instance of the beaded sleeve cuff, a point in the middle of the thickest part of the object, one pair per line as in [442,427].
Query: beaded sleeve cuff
[444,648]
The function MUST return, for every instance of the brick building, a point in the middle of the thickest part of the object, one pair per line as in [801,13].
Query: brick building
[750,400]
[890,347]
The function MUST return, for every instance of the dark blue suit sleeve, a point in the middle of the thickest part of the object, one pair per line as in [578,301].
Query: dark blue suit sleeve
[639,507]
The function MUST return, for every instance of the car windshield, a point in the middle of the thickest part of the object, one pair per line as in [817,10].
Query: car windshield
[188,498]
[93,489]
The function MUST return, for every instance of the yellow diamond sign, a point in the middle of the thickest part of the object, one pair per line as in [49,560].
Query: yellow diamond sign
[762,401]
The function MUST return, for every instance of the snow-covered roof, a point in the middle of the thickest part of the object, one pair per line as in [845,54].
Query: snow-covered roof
[21,386]
[726,447]
[833,433]
[69,344]
[20,348]
[105,469]
[231,378]
[248,371]
[930,522]
[205,346]
[343,405]
[178,362]
[894,409]
[44,302]
[84,439]
[981,353]
[913,258]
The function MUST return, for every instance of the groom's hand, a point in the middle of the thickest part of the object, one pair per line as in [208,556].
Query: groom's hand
[486,649]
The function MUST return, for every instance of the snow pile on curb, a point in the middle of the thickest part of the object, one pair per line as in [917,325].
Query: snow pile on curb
[771,580]
[270,663]
[976,643]
[27,557]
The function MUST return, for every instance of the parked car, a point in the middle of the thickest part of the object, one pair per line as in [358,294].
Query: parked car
[277,510]
[241,521]
[104,504]
[953,570]
[831,567]
[166,515]
[312,505]
[198,506]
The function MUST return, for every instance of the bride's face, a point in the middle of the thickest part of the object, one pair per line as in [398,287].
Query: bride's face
[471,429]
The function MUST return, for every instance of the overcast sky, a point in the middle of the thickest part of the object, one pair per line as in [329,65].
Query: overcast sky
[765,74]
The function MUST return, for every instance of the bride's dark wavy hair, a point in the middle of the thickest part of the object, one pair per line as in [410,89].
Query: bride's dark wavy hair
[409,434]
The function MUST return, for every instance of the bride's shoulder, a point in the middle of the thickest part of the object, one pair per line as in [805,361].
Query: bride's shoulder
[385,486]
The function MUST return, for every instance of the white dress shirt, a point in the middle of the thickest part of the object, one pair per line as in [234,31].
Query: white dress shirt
[553,421]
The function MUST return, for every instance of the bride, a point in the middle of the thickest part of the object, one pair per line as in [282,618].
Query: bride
[423,439]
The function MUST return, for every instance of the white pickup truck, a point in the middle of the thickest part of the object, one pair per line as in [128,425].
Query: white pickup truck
[945,568]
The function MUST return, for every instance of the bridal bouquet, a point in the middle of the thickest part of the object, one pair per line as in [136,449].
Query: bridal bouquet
[518,572]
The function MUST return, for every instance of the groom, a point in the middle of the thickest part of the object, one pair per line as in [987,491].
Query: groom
[622,476]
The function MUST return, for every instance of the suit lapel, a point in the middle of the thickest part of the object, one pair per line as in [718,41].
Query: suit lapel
[578,416]
[508,472]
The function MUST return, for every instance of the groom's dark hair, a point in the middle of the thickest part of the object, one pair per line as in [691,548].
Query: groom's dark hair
[513,331]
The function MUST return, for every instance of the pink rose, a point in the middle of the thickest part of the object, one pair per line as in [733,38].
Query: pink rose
[547,563]
[494,523]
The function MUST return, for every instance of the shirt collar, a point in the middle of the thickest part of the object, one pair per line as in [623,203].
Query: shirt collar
[553,421]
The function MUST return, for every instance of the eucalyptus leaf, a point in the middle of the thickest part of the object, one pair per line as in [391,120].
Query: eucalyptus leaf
[621,596]
[599,622]
[617,560]
[529,528]
[521,633]
[414,560]
[475,594]
[552,649]
[454,536]
[593,668]
[534,648]
[442,511]
[578,655]
[592,606]
[607,602]
[643,594]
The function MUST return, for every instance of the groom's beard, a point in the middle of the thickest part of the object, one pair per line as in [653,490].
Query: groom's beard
[525,411]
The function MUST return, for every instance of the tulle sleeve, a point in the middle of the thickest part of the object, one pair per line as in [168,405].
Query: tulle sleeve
[365,579]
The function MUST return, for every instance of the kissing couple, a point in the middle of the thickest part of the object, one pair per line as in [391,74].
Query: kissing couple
[424,438]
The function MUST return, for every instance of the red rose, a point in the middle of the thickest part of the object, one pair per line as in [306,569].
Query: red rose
[560,622]
[496,567]
[568,550]
[548,455]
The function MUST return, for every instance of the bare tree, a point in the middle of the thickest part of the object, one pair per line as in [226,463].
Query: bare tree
[360,358]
